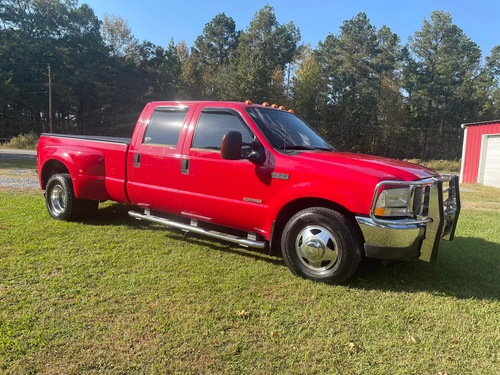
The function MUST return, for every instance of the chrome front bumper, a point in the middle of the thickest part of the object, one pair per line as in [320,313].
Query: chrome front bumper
[433,218]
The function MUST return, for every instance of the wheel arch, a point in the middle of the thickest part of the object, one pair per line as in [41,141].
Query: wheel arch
[291,208]
[50,168]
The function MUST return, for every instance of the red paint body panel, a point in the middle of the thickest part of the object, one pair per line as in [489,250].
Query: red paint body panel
[96,167]
[346,179]
[472,149]
[221,191]
[200,184]
[155,183]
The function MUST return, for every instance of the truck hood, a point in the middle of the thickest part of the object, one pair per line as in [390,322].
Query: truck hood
[373,167]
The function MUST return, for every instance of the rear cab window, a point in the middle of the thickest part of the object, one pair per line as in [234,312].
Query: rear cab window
[164,126]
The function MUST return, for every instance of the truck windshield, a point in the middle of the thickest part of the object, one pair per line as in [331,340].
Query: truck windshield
[286,132]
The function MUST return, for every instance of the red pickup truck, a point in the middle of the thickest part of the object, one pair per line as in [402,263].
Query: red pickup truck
[258,176]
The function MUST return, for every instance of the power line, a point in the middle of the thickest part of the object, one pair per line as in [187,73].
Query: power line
[50,99]
[107,74]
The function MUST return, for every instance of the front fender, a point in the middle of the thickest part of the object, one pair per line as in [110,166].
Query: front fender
[353,199]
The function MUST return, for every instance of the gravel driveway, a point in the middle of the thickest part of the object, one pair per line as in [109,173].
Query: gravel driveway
[18,178]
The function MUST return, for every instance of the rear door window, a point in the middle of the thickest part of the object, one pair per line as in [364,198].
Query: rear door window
[164,126]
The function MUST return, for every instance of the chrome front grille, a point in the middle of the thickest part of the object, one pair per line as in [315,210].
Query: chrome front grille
[419,201]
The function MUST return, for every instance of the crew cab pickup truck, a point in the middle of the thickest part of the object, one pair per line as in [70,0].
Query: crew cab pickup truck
[258,176]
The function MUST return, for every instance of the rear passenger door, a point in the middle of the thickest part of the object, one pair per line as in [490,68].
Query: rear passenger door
[154,160]
[212,189]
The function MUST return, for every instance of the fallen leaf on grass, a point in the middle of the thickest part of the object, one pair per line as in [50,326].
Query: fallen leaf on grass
[353,347]
[243,313]
[411,338]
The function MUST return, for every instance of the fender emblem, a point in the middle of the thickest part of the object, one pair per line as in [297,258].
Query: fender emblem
[280,176]
[252,200]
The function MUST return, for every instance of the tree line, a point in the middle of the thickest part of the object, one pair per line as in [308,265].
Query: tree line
[361,88]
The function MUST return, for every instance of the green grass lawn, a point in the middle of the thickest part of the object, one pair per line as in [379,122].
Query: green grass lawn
[115,295]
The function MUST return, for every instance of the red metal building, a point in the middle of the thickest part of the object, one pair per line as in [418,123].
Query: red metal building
[481,153]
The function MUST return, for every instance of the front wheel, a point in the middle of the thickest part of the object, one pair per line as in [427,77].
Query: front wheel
[321,244]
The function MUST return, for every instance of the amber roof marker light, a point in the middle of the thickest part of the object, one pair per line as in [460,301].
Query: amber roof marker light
[274,105]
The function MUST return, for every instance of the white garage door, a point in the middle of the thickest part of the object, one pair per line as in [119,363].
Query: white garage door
[492,161]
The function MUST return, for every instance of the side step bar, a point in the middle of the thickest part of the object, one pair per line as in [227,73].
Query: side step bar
[190,228]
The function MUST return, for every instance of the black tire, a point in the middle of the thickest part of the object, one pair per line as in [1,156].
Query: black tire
[61,201]
[322,245]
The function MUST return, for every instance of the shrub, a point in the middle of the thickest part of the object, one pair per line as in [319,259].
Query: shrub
[26,141]
[441,166]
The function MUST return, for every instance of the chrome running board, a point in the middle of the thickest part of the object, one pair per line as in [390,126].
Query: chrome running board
[195,229]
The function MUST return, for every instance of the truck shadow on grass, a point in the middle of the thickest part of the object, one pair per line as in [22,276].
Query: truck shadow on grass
[112,215]
[117,214]
[466,268]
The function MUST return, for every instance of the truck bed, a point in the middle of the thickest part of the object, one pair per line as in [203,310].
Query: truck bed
[97,164]
[97,138]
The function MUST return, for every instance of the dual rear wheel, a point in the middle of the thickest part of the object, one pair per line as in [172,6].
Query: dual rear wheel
[61,201]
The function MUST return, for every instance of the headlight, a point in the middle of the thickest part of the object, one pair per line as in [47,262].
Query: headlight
[393,202]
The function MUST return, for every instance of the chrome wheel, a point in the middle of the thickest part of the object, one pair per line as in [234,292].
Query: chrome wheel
[61,201]
[58,200]
[321,244]
[317,248]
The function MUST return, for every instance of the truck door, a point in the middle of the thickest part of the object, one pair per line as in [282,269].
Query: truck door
[154,160]
[225,192]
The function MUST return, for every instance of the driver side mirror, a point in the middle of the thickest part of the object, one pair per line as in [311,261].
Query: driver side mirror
[231,148]
[231,145]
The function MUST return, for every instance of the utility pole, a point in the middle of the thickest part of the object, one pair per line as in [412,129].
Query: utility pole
[50,101]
